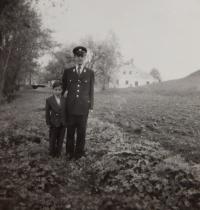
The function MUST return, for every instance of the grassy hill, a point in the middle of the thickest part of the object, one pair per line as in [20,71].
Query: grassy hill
[189,85]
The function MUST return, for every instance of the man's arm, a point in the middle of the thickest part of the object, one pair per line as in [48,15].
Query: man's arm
[92,90]
[63,111]
[64,82]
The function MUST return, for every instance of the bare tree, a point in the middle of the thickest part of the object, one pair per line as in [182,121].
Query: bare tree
[104,58]
[60,60]
[156,74]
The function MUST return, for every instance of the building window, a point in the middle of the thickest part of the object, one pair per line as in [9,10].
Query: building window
[117,82]
[124,72]
[130,72]
[148,82]
[136,83]
[126,82]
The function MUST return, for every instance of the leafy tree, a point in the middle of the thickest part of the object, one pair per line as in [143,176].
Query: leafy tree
[22,41]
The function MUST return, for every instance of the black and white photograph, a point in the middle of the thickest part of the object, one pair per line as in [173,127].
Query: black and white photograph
[99,105]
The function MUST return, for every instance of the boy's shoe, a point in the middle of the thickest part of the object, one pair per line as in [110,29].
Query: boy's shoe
[53,155]
[58,155]
[80,155]
[69,157]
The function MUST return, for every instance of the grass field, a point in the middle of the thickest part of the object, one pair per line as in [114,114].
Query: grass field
[171,120]
[143,152]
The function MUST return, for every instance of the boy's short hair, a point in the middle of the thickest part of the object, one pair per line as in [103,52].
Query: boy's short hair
[56,84]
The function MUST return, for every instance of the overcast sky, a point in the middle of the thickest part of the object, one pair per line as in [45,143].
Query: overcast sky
[156,33]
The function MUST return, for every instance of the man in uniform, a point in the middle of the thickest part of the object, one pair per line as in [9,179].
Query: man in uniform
[78,89]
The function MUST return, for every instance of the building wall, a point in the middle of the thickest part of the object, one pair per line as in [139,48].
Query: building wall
[128,75]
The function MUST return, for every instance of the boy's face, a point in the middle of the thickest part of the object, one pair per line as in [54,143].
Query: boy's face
[57,91]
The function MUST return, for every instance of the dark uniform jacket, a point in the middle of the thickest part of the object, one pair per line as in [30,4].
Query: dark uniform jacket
[54,112]
[80,89]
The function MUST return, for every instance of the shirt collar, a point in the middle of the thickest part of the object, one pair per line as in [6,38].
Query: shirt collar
[57,99]
[82,67]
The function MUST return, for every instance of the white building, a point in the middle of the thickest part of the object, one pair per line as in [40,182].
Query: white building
[128,75]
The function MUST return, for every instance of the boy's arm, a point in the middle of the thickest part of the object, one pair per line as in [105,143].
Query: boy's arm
[47,113]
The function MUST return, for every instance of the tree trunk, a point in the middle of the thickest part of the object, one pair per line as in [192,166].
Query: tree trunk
[104,84]
[30,78]
[1,96]
[4,69]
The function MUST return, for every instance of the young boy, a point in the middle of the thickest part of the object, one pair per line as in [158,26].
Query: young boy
[55,120]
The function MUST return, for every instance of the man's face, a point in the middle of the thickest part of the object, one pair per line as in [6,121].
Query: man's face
[57,91]
[80,59]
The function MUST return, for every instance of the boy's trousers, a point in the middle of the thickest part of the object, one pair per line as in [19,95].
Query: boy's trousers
[56,137]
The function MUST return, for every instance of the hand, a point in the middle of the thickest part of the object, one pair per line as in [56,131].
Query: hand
[91,110]
[65,94]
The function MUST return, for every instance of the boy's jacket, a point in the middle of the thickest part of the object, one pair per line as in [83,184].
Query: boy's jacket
[54,112]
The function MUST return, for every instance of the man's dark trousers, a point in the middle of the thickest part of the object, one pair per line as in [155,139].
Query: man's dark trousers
[78,124]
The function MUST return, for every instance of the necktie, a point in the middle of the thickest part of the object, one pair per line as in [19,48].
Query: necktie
[79,70]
